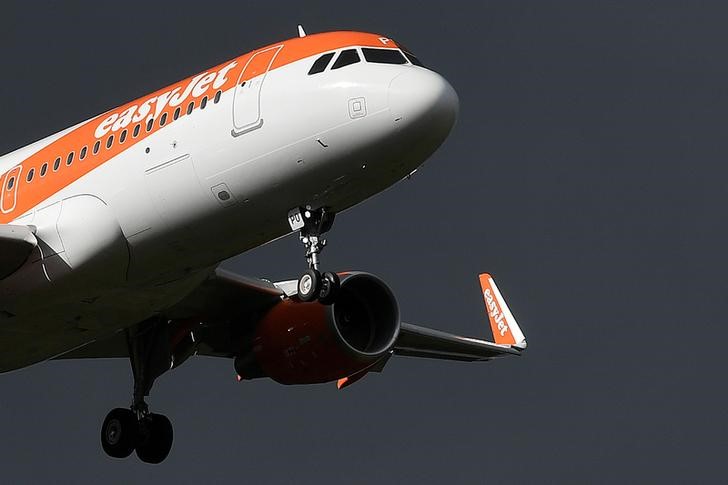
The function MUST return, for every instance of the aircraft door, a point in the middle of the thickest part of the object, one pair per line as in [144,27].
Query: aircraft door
[10,189]
[247,99]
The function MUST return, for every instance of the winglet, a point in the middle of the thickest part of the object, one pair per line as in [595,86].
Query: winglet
[505,329]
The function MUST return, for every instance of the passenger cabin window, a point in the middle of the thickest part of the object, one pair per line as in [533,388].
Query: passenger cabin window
[110,141]
[320,64]
[136,130]
[217,97]
[31,172]
[190,107]
[203,103]
[384,56]
[122,137]
[346,58]
[69,159]
[97,145]
[163,119]
[44,169]
[82,155]
[177,112]
[57,164]
[150,123]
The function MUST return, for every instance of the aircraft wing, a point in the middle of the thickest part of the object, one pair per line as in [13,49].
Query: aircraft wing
[223,298]
[227,295]
[16,244]
[416,341]
[227,306]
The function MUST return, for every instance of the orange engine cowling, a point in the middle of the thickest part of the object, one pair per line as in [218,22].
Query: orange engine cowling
[307,343]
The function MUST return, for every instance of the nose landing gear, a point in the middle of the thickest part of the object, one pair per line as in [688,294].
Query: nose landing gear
[312,224]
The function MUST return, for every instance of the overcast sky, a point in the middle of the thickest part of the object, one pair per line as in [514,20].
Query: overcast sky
[587,172]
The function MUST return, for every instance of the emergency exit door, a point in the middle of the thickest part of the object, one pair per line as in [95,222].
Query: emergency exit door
[247,114]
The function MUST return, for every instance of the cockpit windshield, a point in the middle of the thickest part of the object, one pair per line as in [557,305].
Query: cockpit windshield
[384,56]
[371,55]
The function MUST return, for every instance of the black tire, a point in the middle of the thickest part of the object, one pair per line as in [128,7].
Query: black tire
[308,285]
[119,433]
[330,285]
[155,440]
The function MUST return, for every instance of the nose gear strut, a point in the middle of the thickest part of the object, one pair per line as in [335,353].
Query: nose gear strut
[312,224]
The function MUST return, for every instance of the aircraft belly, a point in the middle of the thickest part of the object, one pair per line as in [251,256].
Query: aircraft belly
[35,336]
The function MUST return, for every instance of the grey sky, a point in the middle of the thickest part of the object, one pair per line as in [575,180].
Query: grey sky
[586,172]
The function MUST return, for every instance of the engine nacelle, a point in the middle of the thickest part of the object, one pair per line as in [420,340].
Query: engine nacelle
[307,343]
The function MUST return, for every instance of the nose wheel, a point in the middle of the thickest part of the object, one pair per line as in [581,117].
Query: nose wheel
[329,290]
[312,224]
[312,285]
[309,285]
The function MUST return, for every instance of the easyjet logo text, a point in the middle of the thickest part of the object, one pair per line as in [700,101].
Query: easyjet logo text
[495,312]
[152,107]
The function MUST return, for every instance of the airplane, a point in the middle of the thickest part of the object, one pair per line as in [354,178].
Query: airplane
[112,231]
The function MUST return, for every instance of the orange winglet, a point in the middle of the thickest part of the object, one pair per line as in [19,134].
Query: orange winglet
[498,312]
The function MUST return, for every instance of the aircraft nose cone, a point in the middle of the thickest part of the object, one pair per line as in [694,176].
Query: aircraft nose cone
[423,99]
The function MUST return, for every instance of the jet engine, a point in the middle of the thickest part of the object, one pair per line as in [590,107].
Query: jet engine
[304,343]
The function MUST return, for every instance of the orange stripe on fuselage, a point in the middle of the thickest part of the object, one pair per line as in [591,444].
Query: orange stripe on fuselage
[30,194]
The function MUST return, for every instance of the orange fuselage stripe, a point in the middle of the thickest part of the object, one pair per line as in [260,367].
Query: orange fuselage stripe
[26,195]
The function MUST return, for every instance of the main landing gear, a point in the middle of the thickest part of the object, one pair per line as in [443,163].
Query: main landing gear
[311,224]
[127,430]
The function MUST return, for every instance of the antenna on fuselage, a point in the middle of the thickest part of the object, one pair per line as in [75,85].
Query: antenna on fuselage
[301,32]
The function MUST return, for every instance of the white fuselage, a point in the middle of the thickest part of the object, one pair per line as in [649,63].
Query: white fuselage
[134,235]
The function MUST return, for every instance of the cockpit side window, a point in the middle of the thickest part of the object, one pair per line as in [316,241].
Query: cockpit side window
[384,56]
[410,57]
[321,63]
[413,59]
[347,57]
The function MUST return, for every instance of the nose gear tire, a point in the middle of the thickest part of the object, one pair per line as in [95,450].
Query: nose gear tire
[308,285]
[330,285]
